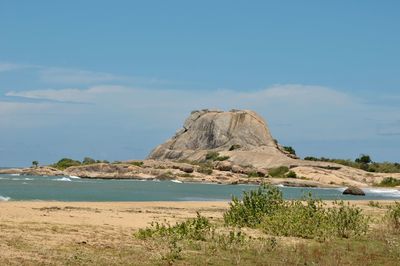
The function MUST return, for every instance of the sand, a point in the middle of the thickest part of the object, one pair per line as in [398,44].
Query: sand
[40,232]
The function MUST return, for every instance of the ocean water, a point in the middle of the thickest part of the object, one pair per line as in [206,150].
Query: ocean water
[71,188]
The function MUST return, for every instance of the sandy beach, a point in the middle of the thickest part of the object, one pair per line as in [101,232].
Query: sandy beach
[40,232]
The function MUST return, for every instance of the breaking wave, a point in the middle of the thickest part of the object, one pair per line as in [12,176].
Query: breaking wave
[4,198]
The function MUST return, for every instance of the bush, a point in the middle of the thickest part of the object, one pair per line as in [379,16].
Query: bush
[235,147]
[307,218]
[389,182]
[278,171]
[291,174]
[214,156]
[255,204]
[393,216]
[346,220]
[289,149]
[139,163]
[204,170]
[88,160]
[65,163]
[194,229]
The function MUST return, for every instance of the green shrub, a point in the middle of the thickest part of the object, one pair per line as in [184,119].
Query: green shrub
[205,170]
[312,220]
[194,229]
[235,147]
[298,219]
[255,174]
[289,149]
[291,174]
[222,158]
[346,220]
[307,218]
[65,163]
[214,156]
[389,182]
[278,171]
[138,163]
[88,160]
[393,216]
[255,204]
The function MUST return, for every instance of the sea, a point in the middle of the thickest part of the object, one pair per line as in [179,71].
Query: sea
[72,188]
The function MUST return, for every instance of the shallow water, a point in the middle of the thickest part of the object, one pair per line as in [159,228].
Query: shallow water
[65,188]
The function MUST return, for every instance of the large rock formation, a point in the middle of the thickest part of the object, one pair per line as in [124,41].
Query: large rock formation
[240,134]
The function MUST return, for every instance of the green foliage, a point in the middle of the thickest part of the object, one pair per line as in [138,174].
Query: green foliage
[363,159]
[266,208]
[137,163]
[278,171]
[35,163]
[235,147]
[389,182]
[361,163]
[255,204]
[65,163]
[291,174]
[88,160]
[222,158]
[255,174]
[214,156]
[393,216]
[346,220]
[194,229]
[289,149]
[204,169]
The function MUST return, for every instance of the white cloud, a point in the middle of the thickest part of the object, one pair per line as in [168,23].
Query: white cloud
[293,111]
[64,75]
[12,66]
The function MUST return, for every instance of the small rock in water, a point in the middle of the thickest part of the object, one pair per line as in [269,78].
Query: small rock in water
[354,191]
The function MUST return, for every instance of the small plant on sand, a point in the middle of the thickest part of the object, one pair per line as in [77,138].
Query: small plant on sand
[205,170]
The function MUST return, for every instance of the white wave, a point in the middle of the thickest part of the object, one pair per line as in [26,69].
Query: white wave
[63,179]
[280,185]
[74,177]
[4,198]
[27,178]
[176,181]
[384,192]
[15,174]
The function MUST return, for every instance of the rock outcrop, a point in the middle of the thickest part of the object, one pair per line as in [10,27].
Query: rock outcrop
[242,135]
[353,191]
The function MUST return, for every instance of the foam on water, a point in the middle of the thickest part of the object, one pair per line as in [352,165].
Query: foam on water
[74,177]
[176,181]
[15,174]
[4,198]
[63,179]
[387,192]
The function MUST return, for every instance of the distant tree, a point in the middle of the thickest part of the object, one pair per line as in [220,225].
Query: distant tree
[35,163]
[289,149]
[364,159]
[65,163]
[88,160]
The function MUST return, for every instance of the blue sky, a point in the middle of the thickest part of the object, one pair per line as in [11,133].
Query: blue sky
[112,79]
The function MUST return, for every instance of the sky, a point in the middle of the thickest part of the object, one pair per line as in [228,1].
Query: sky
[113,79]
